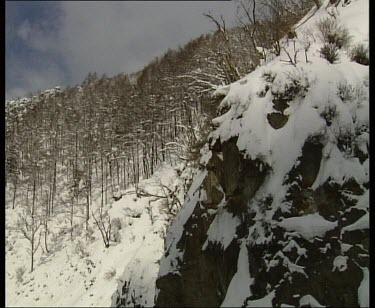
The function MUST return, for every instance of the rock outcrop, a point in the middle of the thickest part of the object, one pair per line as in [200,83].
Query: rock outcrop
[327,267]
[279,212]
[207,267]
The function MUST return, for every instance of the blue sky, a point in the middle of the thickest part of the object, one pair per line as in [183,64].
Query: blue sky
[51,43]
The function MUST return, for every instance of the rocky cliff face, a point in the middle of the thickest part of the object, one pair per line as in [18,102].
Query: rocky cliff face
[208,267]
[279,213]
[329,266]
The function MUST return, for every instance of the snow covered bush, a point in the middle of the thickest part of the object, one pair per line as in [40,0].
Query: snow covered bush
[360,54]
[329,113]
[80,249]
[9,245]
[108,275]
[20,271]
[345,91]
[334,38]
[350,93]
[286,90]
[345,142]
[116,227]
[269,76]
[330,52]
[332,33]
[116,223]
[90,234]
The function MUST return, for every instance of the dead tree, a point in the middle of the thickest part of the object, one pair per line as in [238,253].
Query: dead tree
[171,197]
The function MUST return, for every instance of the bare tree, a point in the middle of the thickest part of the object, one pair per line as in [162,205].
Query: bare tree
[226,57]
[28,224]
[166,193]
[267,21]
[104,226]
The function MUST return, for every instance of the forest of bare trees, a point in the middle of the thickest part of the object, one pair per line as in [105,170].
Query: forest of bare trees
[62,146]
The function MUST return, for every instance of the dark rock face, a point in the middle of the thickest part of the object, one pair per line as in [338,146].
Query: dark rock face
[241,177]
[206,273]
[320,284]
[172,291]
[277,120]
[197,287]
[327,267]
[231,168]
[327,285]
[310,162]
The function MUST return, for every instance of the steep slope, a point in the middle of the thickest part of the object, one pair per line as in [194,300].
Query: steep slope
[279,212]
[82,273]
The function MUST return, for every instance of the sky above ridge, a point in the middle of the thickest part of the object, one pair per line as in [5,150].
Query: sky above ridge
[50,43]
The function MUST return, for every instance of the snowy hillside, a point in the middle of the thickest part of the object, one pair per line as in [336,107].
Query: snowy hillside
[77,274]
[279,214]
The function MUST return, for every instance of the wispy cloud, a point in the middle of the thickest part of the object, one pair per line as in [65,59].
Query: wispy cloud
[39,36]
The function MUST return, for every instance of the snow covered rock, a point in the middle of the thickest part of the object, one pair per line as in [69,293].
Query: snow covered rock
[279,213]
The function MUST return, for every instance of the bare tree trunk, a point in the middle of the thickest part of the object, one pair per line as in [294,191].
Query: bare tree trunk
[46,228]
[111,173]
[14,193]
[118,173]
[33,226]
[27,194]
[32,254]
[90,178]
[106,179]
[137,157]
[102,169]
[87,209]
[152,156]
[124,171]
[53,186]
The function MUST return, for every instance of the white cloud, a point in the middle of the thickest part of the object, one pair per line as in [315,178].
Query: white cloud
[24,30]
[39,36]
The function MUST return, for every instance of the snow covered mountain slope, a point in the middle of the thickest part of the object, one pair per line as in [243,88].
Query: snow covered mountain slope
[84,274]
[279,214]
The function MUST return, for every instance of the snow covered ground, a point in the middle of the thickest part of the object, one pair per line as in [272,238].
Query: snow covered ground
[76,273]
